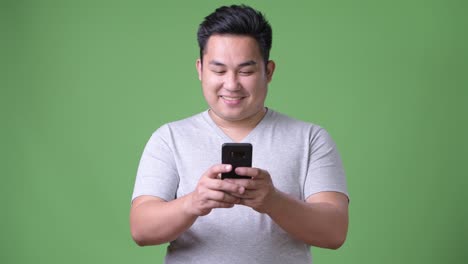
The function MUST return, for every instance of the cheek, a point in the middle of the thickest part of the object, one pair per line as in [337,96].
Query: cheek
[256,86]
[210,82]
[210,87]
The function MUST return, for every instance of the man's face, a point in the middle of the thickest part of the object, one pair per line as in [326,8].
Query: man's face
[234,77]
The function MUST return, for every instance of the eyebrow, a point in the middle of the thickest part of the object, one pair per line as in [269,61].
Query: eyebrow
[247,63]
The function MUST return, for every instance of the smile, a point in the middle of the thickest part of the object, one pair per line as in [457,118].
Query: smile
[231,98]
[232,101]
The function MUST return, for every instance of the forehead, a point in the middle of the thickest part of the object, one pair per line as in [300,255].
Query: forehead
[232,48]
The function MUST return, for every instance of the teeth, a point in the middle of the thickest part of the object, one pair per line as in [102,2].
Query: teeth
[231,98]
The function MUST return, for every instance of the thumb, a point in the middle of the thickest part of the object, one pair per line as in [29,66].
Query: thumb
[214,171]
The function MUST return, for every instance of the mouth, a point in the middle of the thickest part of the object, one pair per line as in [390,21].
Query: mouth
[231,100]
[228,98]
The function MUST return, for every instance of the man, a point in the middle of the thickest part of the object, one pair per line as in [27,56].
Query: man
[297,195]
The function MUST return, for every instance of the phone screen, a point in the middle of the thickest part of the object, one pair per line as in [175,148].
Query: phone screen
[238,155]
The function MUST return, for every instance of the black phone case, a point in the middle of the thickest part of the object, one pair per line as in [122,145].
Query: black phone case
[238,155]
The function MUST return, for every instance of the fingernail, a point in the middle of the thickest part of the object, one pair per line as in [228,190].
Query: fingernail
[228,167]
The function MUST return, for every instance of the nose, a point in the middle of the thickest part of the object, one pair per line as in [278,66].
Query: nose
[231,82]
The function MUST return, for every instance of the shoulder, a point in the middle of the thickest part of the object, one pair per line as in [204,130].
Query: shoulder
[291,128]
[186,124]
[176,129]
[292,125]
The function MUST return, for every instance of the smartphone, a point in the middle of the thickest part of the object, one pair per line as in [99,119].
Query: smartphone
[238,155]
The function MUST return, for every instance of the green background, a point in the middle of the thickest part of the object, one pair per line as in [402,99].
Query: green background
[85,83]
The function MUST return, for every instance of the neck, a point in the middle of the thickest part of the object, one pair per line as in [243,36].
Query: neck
[238,129]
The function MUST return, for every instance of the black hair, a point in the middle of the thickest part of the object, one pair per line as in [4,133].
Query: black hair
[237,20]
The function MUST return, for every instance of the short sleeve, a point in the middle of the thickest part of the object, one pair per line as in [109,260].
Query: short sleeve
[157,174]
[325,170]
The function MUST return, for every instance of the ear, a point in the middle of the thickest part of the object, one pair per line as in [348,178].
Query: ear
[270,69]
[199,69]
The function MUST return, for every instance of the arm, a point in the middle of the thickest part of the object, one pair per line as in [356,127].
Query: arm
[154,221]
[321,220]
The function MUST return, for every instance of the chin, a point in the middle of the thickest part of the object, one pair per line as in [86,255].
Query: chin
[232,117]
[229,115]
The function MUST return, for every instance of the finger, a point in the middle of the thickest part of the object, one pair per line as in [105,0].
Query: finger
[224,186]
[217,204]
[217,169]
[246,202]
[248,194]
[223,197]
[246,183]
[255,173]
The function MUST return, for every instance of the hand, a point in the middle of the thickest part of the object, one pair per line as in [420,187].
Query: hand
[212,192]
[259,191]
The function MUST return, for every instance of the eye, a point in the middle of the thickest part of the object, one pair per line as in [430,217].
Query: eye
[245,73]
[218,72]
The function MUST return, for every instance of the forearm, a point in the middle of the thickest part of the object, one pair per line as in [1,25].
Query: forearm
[317,224]
[155,222]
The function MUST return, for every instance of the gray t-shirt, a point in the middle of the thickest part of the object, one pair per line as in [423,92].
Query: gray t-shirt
[301,158]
